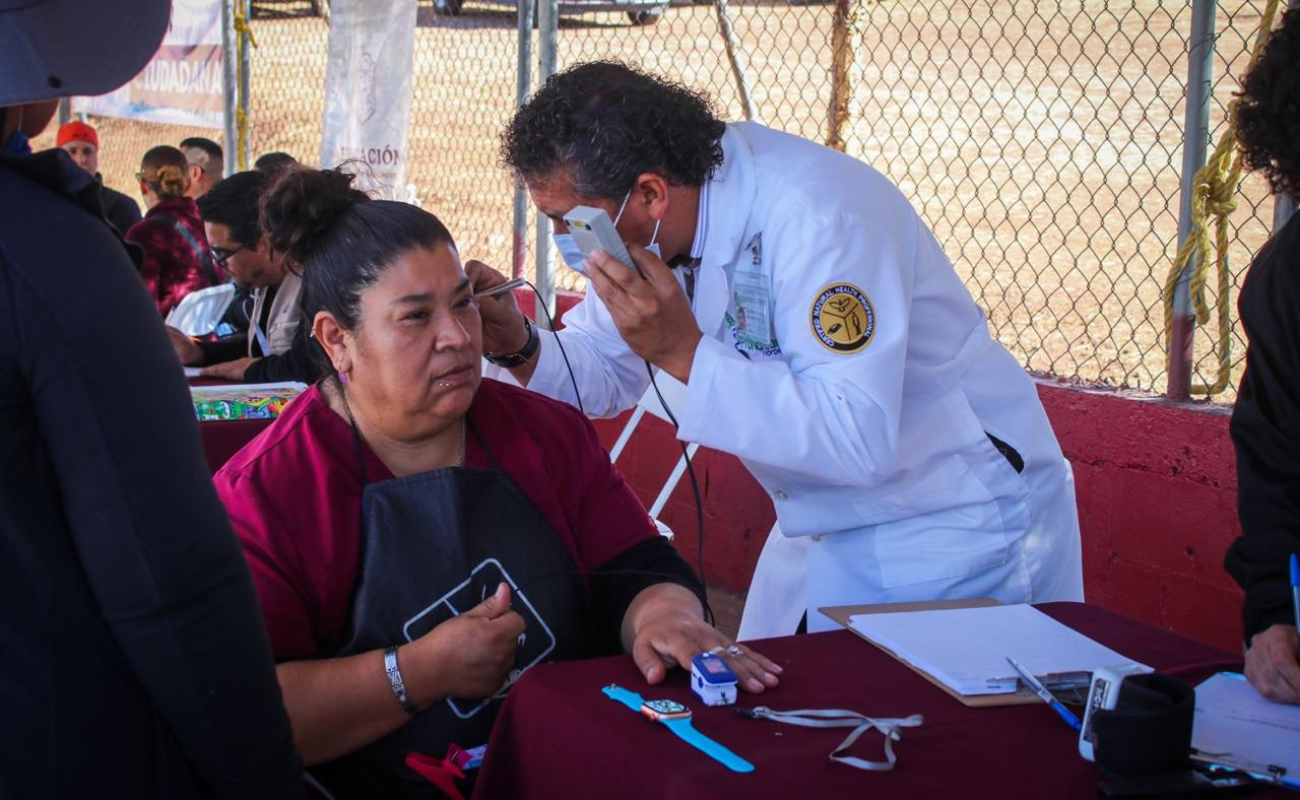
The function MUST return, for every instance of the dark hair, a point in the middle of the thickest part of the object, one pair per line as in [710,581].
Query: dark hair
[339,238]
[274,163]
[211,148]
[1268,116]
[608,123]
[164,168]
[236,203]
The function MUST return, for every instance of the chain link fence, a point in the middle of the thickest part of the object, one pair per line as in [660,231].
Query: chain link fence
[1042,142]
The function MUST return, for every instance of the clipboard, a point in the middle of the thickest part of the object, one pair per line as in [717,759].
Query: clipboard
[842,614]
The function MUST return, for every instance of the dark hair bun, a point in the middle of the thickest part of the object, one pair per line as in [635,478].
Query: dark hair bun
[303,206]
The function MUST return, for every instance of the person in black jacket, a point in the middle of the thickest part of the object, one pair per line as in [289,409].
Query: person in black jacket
[276,346]
[82,143]
[1266,420]
[135,663]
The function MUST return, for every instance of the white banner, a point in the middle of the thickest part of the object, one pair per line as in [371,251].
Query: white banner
[368,92]
[182,85]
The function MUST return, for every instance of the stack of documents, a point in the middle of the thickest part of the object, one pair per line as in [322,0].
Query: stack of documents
[966,649]
[1236,727]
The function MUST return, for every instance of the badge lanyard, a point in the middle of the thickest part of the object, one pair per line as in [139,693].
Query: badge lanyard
[840,718]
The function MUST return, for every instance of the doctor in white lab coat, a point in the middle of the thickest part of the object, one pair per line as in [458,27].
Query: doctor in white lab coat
[824,339]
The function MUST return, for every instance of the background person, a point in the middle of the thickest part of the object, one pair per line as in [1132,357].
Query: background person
[135,663]
[273,164]
[402,485]
[906,452]
[177,260]
[206,165]
[276,346]
[81,142]
[1264,420]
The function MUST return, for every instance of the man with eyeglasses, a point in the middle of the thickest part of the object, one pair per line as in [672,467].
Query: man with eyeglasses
[275,347]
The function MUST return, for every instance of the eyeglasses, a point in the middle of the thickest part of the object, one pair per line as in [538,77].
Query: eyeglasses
[222,254]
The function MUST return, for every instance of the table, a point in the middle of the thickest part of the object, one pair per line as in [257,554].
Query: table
[222,439]
[558,736]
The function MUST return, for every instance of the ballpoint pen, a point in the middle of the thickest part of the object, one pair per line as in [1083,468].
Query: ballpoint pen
[1046,696]
[502,289]
[1295,587]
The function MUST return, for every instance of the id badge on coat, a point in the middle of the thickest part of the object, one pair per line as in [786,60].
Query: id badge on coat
[753,315]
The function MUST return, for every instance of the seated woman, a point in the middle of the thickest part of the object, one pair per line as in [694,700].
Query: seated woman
[419,538]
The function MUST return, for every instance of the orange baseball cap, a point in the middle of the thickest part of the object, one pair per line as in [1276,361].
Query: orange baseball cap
[76,131]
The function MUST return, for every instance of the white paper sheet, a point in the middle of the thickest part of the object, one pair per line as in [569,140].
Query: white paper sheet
[192,372]
[1235,726]
[966,649]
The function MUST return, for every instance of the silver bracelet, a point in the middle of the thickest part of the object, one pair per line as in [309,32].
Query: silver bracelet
[395,681]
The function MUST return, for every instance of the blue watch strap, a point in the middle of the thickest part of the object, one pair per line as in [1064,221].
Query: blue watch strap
[630,699]
[687,733]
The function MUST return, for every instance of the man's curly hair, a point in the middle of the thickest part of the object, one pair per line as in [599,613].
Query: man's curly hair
[605,123]
[1268,116]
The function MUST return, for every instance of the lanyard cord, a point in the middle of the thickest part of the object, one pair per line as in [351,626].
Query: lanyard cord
[841,718]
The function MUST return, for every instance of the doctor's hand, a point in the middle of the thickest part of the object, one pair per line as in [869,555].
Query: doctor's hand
[470,655]
[1273,663]
[652,313]
[664,628]
[503,322]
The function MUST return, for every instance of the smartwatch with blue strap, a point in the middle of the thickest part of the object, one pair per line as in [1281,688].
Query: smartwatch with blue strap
[677,718]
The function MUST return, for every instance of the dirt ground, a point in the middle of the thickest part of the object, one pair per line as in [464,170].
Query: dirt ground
[1042,142]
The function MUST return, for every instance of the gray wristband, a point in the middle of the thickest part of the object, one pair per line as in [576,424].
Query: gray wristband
[395,681]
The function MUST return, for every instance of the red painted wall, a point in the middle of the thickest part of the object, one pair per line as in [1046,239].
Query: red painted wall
[1156,486]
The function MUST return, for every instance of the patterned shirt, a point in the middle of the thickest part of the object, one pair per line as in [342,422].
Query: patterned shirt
[172,266]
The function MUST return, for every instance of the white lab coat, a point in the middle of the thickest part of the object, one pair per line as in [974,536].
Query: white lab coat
[885,484]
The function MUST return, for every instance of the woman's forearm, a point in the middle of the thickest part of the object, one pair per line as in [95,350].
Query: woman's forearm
[339,705]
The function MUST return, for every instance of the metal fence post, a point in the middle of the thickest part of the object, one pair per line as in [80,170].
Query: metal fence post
[523,89]
[65,111]
[243,153]
[1196,137]
[229,82]
[547,32]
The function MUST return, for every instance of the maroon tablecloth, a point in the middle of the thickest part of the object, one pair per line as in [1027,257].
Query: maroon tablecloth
[559,737]
[221,440]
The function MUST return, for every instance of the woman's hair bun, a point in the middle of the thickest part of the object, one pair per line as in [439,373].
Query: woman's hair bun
[303,206]
[171,181]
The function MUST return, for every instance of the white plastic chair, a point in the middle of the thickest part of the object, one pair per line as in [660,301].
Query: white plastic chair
[674,392]
[199,312]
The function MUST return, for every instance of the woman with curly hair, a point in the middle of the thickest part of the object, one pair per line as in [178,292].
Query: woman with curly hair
[824,339]
[1266,420]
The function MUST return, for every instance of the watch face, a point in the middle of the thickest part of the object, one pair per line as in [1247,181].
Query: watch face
[665,709]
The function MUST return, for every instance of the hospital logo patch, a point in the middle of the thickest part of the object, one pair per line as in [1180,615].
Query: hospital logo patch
[842,318]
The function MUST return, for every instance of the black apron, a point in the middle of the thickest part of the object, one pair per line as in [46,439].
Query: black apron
[433,546]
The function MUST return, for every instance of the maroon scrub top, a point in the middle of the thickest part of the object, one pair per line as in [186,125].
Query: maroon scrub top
[294,498]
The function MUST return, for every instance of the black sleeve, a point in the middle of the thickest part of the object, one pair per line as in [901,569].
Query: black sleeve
[223,350]
[617,582]
[1266,435]
[148,529]
[121,211]
[295,364]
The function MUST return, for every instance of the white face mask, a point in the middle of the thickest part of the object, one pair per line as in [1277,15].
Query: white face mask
[572,254]
[569,251]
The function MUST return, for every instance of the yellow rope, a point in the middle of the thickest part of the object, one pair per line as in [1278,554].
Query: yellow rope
[242,26]
[1214,194]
